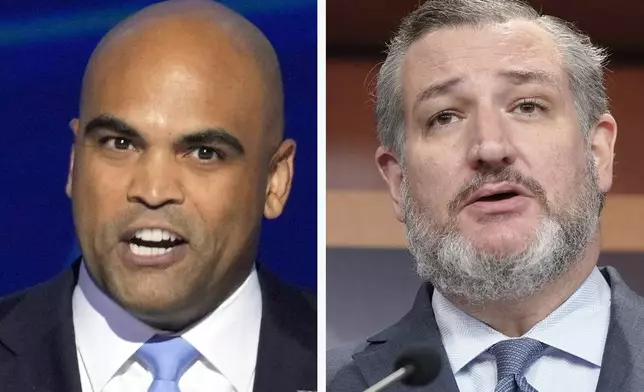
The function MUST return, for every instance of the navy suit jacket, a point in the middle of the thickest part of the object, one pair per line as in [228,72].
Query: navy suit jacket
[38,349]
[355,368]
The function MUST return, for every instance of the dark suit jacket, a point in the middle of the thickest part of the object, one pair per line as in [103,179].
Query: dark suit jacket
[38,349]
[356,368]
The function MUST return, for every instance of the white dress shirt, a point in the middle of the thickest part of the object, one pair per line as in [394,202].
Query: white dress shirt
[107,337]
[575,334]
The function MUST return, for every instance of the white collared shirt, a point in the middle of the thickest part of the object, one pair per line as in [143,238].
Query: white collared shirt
[575,333]
[107,337]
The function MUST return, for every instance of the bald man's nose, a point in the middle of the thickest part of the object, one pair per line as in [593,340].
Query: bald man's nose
[491,145]
[155,181]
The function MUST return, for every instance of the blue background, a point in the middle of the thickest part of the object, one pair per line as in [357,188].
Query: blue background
[44,47]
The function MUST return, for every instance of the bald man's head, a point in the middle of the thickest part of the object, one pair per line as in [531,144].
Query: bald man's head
[177,156]
[197,27]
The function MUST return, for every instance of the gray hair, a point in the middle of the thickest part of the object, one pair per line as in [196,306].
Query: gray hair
[583,62]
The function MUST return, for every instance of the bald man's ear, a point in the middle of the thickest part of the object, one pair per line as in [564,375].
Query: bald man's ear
[68,187]
[391,171]
[280,179]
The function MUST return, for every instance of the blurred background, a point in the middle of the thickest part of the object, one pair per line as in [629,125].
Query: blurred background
[44,47]
[366,244]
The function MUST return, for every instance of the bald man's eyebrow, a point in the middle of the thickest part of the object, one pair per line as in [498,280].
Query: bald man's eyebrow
[206,137]
[111,124]
[212,136]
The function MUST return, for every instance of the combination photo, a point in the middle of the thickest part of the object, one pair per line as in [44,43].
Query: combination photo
[322,195]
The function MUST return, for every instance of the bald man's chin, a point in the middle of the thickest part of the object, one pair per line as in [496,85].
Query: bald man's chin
[165,309]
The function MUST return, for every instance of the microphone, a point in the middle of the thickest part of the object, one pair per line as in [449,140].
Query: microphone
[417,365]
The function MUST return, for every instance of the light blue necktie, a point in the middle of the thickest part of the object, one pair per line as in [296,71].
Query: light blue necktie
[513,356]
[167,358]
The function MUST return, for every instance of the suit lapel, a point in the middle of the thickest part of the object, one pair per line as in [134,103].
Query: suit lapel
[38,346]
[39,332]
[286,358]
[418,326]
[622,362]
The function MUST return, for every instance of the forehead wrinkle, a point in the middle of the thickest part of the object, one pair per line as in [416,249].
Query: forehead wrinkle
[520,77]
[523,44]
[438,49]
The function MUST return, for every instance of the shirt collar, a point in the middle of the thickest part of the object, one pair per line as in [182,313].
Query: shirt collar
[107,335]
[228,338]
[579,326]
[588,309]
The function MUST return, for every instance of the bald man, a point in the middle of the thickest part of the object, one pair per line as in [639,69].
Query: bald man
[178,154]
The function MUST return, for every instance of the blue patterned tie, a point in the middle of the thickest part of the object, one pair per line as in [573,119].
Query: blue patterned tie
[513,356]
[167,358]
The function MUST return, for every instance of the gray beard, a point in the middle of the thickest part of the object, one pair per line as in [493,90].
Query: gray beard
[456,267]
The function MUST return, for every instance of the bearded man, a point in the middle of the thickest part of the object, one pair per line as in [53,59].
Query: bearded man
[497,149]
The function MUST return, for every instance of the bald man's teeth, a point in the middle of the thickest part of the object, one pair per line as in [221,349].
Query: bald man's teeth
[141,250]
[155,235]
[154,242]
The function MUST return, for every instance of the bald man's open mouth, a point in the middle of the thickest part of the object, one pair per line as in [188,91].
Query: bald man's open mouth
[152,247]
